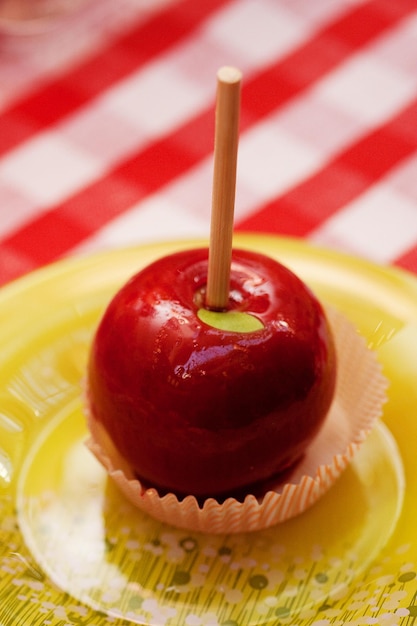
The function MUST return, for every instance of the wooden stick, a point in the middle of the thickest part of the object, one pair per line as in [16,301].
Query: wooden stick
[224,187]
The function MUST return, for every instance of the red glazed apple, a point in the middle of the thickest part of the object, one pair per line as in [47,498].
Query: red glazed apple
[206,403]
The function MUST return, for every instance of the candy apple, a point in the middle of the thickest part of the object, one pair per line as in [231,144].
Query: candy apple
[205,402]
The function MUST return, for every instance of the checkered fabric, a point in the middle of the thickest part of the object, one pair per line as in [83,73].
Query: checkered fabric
[107,125]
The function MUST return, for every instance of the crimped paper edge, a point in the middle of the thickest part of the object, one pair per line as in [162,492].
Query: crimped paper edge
[358,402]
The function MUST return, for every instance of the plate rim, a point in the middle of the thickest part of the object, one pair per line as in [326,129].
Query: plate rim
[89,262]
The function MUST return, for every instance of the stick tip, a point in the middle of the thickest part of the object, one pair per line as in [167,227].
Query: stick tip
[229,74]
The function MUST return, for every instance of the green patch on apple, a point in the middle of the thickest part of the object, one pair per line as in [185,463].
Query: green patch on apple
[232,321]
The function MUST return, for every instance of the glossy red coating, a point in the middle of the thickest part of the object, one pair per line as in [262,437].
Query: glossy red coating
[197,410]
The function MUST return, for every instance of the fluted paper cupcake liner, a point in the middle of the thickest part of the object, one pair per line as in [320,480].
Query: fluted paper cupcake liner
[358,402]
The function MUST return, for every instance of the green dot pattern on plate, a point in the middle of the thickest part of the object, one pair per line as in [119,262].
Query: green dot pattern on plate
[113,558]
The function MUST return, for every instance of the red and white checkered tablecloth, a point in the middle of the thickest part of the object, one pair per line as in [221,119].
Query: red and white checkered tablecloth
[107,125]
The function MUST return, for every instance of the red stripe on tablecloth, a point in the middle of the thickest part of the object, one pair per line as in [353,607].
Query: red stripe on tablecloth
[62,96]
[51,234]
[55,232]
[304,207]
[408,260]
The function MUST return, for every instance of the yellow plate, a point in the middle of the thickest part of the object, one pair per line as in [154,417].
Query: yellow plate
[72,551]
